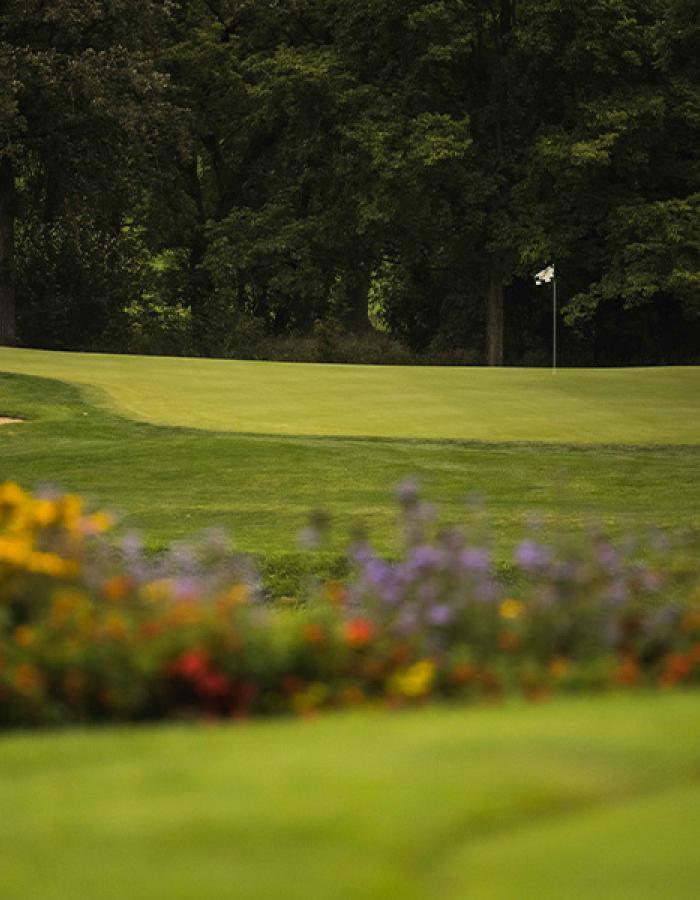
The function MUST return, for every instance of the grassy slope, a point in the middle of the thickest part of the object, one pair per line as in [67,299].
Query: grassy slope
[627,406]
[172,482]
[589,798]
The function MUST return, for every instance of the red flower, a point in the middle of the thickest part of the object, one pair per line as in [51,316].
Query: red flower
[214,686]
[193,664]
[358,632]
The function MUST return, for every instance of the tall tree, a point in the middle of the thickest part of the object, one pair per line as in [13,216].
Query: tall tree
[80,99]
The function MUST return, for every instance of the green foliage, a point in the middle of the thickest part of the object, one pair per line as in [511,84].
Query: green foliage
[300,161]
[77,281]
[85,101]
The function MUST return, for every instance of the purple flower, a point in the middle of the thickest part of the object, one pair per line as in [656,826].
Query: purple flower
[425,557]
[530,555]
[376,571]
[407,493]
[618,592]
[476,558]
[441,614]
[186,589]
[607,555]
[361,554]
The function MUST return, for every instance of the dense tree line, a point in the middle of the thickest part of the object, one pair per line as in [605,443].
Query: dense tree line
[202,176]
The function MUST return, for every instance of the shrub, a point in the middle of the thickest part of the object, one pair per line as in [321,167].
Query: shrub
[94,629]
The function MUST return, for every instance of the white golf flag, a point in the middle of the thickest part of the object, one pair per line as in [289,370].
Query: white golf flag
[545,276]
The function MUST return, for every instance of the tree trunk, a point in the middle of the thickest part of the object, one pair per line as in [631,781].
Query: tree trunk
[495,321]
[7,253]
[355,297]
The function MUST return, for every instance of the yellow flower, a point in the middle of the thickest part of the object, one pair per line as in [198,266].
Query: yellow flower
[156,591]
[44,513]
[71,507]
[237,595]
[53,565]
[15,551]
[415,681]
[560,667]
[511,609]
[11,494]
[115,626]
[25,636]
[98,523]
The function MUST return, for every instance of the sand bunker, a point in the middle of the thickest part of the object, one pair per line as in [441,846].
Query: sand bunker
[8,420]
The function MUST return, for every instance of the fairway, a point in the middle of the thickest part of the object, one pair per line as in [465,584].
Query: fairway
[171,482]
[571,406]
[580,799]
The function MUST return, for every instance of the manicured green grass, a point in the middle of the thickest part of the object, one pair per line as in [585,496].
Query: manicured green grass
[572,406]
[580,799]
[588,798]
[172,482]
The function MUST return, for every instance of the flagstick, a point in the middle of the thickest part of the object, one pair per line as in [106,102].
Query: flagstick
[554,323]
[544,277]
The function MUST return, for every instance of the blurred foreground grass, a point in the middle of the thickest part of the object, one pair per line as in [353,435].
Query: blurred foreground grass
[580,798]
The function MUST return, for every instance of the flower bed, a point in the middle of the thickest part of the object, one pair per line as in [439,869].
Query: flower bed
[92,629]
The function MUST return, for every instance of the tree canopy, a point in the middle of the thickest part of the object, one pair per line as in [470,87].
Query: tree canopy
[199,176]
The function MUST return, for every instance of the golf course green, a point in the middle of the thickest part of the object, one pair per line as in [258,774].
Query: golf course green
[572,406]
[583,799]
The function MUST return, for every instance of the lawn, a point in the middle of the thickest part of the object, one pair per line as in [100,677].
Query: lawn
[581,798]
[173,481]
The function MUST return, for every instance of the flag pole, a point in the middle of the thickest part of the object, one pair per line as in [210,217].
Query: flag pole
[554,322]
[544,277]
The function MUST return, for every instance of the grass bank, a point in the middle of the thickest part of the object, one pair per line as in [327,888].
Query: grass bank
[584,798]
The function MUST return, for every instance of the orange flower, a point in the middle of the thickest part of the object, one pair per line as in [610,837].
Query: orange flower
[27,680]
[508,641]
[691,620]
[358,632]
[462,672]
[627,672]
[25,636]
[351,695]
[116,588]
[335,592]
[677,666]
[314,633]
[75,684]
[560,666]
